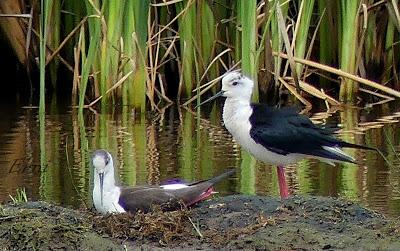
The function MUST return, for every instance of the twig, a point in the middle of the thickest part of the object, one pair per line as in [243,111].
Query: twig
[196,228]
[109,90]
[341,73]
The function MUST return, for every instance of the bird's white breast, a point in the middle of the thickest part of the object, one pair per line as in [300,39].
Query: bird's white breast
[236,119]
[110,200]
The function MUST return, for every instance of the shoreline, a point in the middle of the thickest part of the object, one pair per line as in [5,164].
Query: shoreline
[231,222]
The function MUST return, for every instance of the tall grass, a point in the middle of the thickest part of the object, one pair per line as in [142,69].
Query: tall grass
[306,9]
[328,46]
[348,46]
[187,24]
[137,53]
[43,32]
[152,49]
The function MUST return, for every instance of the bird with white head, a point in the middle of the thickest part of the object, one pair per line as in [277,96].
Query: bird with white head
[110,198]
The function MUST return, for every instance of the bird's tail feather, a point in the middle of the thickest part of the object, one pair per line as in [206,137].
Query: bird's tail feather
[351,145]
[218,178]
[335,153]
[223,176]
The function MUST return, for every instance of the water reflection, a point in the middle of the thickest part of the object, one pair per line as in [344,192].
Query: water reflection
[153,147]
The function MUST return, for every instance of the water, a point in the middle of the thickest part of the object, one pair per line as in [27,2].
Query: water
[175,143]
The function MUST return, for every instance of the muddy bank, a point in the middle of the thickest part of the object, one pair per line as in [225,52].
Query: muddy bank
[232,222]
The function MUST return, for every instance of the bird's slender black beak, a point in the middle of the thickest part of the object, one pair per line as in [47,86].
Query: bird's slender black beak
[101,176]
[218,94]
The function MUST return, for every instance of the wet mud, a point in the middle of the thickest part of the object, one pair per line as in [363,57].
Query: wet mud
[225,223]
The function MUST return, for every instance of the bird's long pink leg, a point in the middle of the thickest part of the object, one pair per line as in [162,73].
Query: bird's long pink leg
[283,189]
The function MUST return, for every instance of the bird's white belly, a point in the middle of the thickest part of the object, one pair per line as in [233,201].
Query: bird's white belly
[238,125]
[110,201]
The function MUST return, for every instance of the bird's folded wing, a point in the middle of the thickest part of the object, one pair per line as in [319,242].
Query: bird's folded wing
[285,132]
[142,198]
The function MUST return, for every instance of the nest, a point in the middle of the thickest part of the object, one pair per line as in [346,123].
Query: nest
[155,225]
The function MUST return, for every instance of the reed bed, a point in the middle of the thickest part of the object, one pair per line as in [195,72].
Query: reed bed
[148,53]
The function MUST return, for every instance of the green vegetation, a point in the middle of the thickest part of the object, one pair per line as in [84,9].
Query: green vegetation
[148,52]
[20,197]
[142,54]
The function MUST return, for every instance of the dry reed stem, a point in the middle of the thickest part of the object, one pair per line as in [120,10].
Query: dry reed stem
[341,73]
[396,12]
[282,27]
[317,93]
[12,27]
[211,63]
[110,89]
[173,20]
[66,64]
[66,39]
[75,81]
[166,3]
[28,37]
[207,86]
[295,93]
[308,55]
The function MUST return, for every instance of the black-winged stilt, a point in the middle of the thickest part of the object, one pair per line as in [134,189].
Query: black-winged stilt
[275,136]
[109,198]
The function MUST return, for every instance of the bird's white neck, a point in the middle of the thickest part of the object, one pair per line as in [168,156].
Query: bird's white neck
[236,110]
[111,193]
[236,119]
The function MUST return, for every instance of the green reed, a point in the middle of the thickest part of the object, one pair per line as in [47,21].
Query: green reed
[20,196]
[128,51]
[139,85]
[390,61]
[54,38]
[327,45]
[302,32]
[348,46]
[43,31]
[247,19]
[205,22]
[248,173]
[88,60]
[275,35]
[109,49]
[145,39]
[187,23]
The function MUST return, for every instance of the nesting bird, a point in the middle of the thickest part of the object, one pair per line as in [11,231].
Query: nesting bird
[110,198]
[275,136]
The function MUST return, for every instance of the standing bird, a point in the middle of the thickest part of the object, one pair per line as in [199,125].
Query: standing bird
[276,136]
[109,198]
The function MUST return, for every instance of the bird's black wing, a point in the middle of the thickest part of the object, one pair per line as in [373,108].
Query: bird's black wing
[284,131]
[143,198]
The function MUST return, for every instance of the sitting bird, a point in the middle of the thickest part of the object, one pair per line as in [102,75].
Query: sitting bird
[109,198]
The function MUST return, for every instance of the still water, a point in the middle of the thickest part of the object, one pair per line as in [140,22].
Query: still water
[179,143]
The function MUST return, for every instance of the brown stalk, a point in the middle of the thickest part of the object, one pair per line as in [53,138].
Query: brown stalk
[67,38]
[341,73]
[295,93]
[282,27]
[309,51]
[110,89]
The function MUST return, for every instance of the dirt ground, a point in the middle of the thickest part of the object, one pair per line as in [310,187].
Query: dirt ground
[225,223]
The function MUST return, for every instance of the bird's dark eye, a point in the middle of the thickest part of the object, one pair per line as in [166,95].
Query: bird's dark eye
[235,83]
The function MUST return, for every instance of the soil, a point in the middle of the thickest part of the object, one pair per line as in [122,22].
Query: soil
[225,223]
